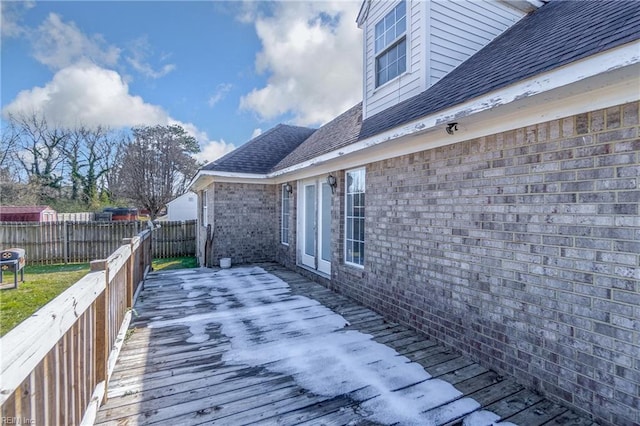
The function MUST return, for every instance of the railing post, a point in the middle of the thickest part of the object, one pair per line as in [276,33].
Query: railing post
[130,287]
[102,328]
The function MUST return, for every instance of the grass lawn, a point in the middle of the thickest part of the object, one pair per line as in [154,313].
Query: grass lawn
[175,263]
[42,283]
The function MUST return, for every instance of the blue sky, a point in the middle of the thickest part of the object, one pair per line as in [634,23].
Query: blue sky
[225,71]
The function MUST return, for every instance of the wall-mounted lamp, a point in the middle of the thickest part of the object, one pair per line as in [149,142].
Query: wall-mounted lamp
[332,182]
[452,127]
[288,188]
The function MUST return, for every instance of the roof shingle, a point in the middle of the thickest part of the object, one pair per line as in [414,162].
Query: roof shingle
[261,153]
[557,34]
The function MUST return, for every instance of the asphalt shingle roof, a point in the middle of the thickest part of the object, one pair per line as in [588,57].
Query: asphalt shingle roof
[557,34]
[261,153]
[341,131]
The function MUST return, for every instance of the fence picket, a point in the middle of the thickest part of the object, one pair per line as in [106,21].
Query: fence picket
[71,242]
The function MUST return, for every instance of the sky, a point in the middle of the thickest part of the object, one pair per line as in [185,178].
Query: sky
[224,70]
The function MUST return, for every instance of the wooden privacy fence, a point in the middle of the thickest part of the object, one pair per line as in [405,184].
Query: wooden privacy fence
[70,242]
[56,364]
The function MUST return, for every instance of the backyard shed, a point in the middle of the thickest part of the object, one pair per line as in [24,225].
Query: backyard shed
[27,214]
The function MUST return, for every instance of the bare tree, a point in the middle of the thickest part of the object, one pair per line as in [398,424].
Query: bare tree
[157,166]
[40,152]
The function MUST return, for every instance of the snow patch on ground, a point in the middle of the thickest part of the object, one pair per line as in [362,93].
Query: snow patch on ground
[294,335]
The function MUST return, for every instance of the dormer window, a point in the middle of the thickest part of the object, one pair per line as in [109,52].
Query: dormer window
[391,45]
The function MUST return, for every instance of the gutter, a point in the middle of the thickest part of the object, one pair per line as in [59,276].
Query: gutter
[615,73]
[621,58]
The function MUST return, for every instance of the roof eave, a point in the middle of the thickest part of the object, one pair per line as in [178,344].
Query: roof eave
[586,74]
[204,178]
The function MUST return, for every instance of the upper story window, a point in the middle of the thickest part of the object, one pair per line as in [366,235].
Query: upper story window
[391,45]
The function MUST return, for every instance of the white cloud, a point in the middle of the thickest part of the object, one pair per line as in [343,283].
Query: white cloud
[11,15]
[256,132]
[220,93]
[209,150]
[313,53]
[138,59]
[90,95]
[58,45]
[212,150]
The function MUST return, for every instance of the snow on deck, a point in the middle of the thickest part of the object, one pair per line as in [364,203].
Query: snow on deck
[247,346]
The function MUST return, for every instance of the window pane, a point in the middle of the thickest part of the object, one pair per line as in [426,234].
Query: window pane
[355,222]
[379,29]
[401,26]
[401,9]
[389,20]
[393,55]
[326,222]
[309,220]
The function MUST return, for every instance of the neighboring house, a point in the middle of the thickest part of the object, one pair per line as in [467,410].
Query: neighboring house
[485,192]
[184,207]
[27,214]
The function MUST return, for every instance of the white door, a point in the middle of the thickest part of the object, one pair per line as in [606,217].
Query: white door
[314,225]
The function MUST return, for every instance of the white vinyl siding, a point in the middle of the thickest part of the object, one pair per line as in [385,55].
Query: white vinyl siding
[407,84]
[461,28]
[441,34]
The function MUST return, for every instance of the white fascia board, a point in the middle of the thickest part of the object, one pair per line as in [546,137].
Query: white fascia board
[363,13]
[568,90]
[205,178]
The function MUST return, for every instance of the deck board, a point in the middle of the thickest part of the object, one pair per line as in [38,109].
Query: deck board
[182,372]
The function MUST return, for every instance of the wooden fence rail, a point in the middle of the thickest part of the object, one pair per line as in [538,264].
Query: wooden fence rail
[70,242]
[56,364]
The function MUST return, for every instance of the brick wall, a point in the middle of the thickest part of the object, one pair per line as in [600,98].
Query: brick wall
[243,222]
[521,249]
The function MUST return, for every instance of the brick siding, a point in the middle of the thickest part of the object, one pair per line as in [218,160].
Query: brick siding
[242,216]
[521,249]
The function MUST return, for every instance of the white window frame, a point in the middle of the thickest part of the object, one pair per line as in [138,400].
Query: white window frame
[348,255]
[204,209]
[389,45]
[285,215]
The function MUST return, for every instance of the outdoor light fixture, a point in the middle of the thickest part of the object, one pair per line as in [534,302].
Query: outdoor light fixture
[332,182]
[288,188]
[452,127]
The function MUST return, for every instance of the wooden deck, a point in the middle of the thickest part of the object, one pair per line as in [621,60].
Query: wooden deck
[204,354]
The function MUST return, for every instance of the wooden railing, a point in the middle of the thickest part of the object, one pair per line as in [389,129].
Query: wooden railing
[55,365]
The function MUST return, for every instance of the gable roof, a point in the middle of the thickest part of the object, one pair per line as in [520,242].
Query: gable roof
[261,153]
[557,34]
[341,131]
